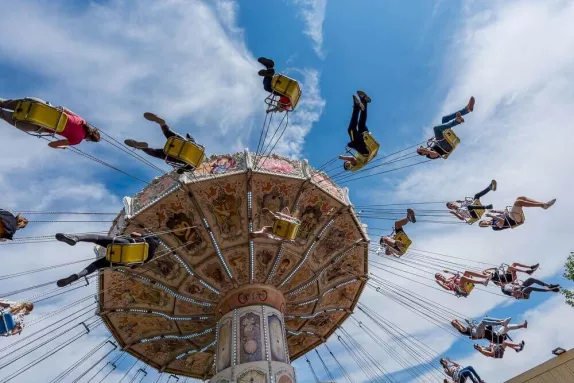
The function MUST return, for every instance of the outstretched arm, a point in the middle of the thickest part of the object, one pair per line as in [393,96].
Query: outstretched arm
[347,158]
[484,351]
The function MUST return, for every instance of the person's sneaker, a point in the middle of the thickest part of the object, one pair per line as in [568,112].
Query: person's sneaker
[555,289]
[459,118]
[268,63]
[533,269]
[521,346]
[154,118]
[493,185]
[411,215]
[489,206]
[525,324]
[136,144]
[66,281]
[357,103]
[553,286]
[363,96]
[266,72]
[69,239]
[470,105]
[189,137]
[549,204]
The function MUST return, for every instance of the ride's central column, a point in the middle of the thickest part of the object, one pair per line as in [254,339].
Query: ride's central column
[251,340]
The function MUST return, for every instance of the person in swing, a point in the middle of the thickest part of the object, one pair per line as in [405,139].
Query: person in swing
[488,328]
[9,224]
[504,274]
[467,211]
[18,311]
[76,130]
[457,282]
[523,290]
[458,373]
[284,103]
[159,153]
[503,219]
[392,246]
[437,145]
[267,231]
[496,351]
[357,126]
[104,241]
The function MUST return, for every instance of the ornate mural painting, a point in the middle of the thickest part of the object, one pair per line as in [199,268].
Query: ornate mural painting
[276,337]
[250,338]
[224,347]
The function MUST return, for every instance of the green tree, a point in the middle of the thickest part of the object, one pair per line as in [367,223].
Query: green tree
[569,274]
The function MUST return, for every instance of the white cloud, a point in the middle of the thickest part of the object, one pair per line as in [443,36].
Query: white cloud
[313,13]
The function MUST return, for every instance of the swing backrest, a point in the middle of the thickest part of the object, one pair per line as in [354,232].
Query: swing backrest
[6,322]
[43,115]
[467,287]
[127,253]
[372,145]
[286,228]
[452,139]
[186,151]
[478,212]
[404,239]
[287,87]
[361,162]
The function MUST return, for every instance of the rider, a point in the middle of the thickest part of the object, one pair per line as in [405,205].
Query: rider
[284,103]
[18,310]
[466,212]
[104,241]
[488,328]
[267,231]
[457,282]
[438,145]
[507,219]
[9,224]
[496,351]
[357,126]
[523,291]
[76,130]
[501,276]
[458,373]
[168,133]
[392,245]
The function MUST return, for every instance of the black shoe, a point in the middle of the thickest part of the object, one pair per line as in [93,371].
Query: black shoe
[533,269]
[268,63]
[67,281]
[136,144]
[411,215]
[493,185]
[69,239]
[266,72]
[189,138]
[521,346]
[363,96]
[554,286]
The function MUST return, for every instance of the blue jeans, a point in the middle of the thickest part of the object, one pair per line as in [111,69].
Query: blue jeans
[448,122]
[469,373]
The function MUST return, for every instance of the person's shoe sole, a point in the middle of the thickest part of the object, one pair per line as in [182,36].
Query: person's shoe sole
[549,204]
[268,63]
[363,96]
[470,105]
[136,144]
[266,72]
[493,185]
[411,215]
[66,281]
[64,238]
[154,118]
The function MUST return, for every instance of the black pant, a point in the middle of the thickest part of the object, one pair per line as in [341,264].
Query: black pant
[159,153]
[357,126]
[478,196]
[527,286]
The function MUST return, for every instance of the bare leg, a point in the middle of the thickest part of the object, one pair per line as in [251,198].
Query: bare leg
[263,233]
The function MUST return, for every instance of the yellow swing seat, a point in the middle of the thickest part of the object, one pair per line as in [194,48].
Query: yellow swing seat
[452,139]
[508,208]
[372,146]
[189,152]
[286,228]
[403,238]
[478,212]
[467,287]
[127,253]
[287,87]
[43,115]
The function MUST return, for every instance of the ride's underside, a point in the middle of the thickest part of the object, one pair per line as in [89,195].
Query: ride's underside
[164,312]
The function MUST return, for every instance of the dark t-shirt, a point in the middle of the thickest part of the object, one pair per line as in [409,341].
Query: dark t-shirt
[153,243]
[504,278]
[9,222]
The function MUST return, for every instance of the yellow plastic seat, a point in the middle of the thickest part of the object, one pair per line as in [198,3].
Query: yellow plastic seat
[287,87]
[467,287]
[404,239]
[43,115]
[372,146]
[478,212]
[127,253]
[286,228]
[189,152]
[452,139]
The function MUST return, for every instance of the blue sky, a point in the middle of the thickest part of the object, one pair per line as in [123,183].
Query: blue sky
[195,64]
